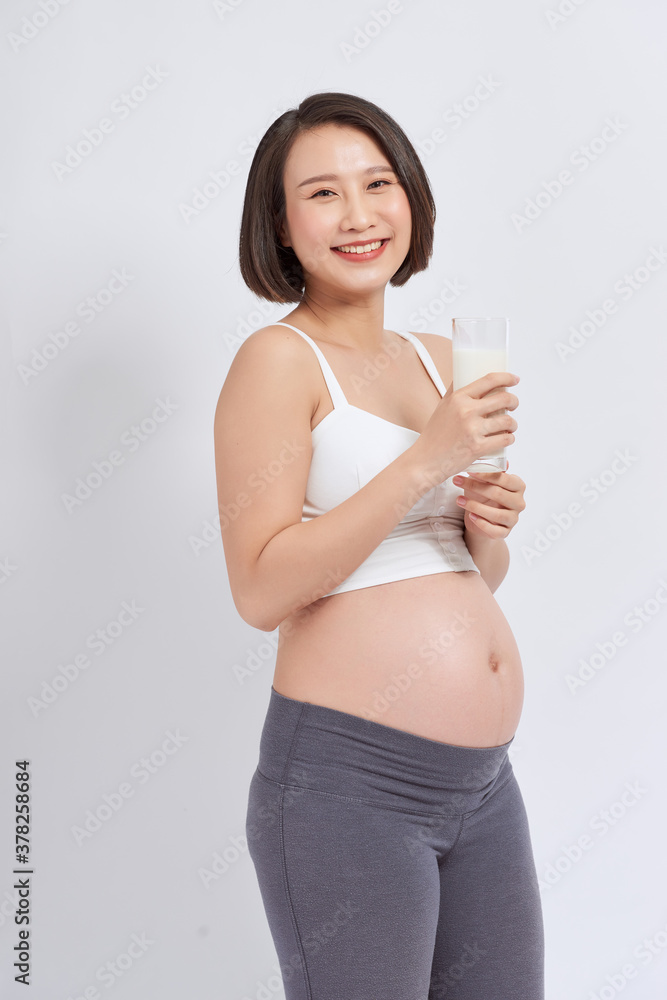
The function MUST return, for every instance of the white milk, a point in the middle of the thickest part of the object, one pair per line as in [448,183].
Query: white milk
[469,364]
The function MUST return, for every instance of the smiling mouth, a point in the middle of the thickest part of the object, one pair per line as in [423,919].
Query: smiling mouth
[363,248]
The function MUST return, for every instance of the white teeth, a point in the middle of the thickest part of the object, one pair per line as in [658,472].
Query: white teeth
[364,249]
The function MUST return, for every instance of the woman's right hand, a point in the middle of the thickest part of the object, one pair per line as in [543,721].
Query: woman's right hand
[466,424]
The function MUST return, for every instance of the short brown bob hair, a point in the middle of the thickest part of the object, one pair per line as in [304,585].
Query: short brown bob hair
[273,271]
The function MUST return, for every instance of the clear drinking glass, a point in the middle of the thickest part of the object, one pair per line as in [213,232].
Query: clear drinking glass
[480,345]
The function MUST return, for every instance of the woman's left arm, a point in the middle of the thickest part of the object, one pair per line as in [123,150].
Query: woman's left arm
[492,504]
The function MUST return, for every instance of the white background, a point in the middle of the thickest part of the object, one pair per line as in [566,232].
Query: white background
[147,533]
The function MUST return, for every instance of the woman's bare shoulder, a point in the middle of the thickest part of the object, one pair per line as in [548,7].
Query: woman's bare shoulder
[271,361]
[440,348]
[275,343]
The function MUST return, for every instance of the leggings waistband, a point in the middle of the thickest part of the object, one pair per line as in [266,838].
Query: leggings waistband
[326,750]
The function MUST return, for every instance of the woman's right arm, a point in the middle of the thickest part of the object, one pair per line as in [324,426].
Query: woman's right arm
[277,563]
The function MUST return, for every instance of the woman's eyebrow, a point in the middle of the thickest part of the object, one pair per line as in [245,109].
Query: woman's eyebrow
[382,169]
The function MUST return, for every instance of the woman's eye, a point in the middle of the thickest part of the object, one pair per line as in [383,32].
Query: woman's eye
[327,191]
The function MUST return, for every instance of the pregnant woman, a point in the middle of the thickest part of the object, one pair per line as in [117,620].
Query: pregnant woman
[385,823]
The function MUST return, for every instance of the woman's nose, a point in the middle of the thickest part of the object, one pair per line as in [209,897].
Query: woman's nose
[356,214]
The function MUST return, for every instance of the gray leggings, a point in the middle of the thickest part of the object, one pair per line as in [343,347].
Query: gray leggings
[392,867]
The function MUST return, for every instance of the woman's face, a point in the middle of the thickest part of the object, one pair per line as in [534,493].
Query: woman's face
[356,205]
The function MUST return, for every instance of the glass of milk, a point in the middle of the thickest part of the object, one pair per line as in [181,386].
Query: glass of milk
[479,346]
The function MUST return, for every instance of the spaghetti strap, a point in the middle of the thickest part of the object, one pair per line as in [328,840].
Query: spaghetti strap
[337,395]
[429,364]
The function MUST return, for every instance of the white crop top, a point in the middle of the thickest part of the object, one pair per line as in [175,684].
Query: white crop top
[350,447]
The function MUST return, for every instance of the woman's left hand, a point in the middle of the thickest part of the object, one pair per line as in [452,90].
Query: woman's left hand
[496,498]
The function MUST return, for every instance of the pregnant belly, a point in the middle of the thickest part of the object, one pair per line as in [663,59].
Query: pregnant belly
[433,655]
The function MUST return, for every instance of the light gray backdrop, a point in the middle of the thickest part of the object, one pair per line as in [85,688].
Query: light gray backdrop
[129,680]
